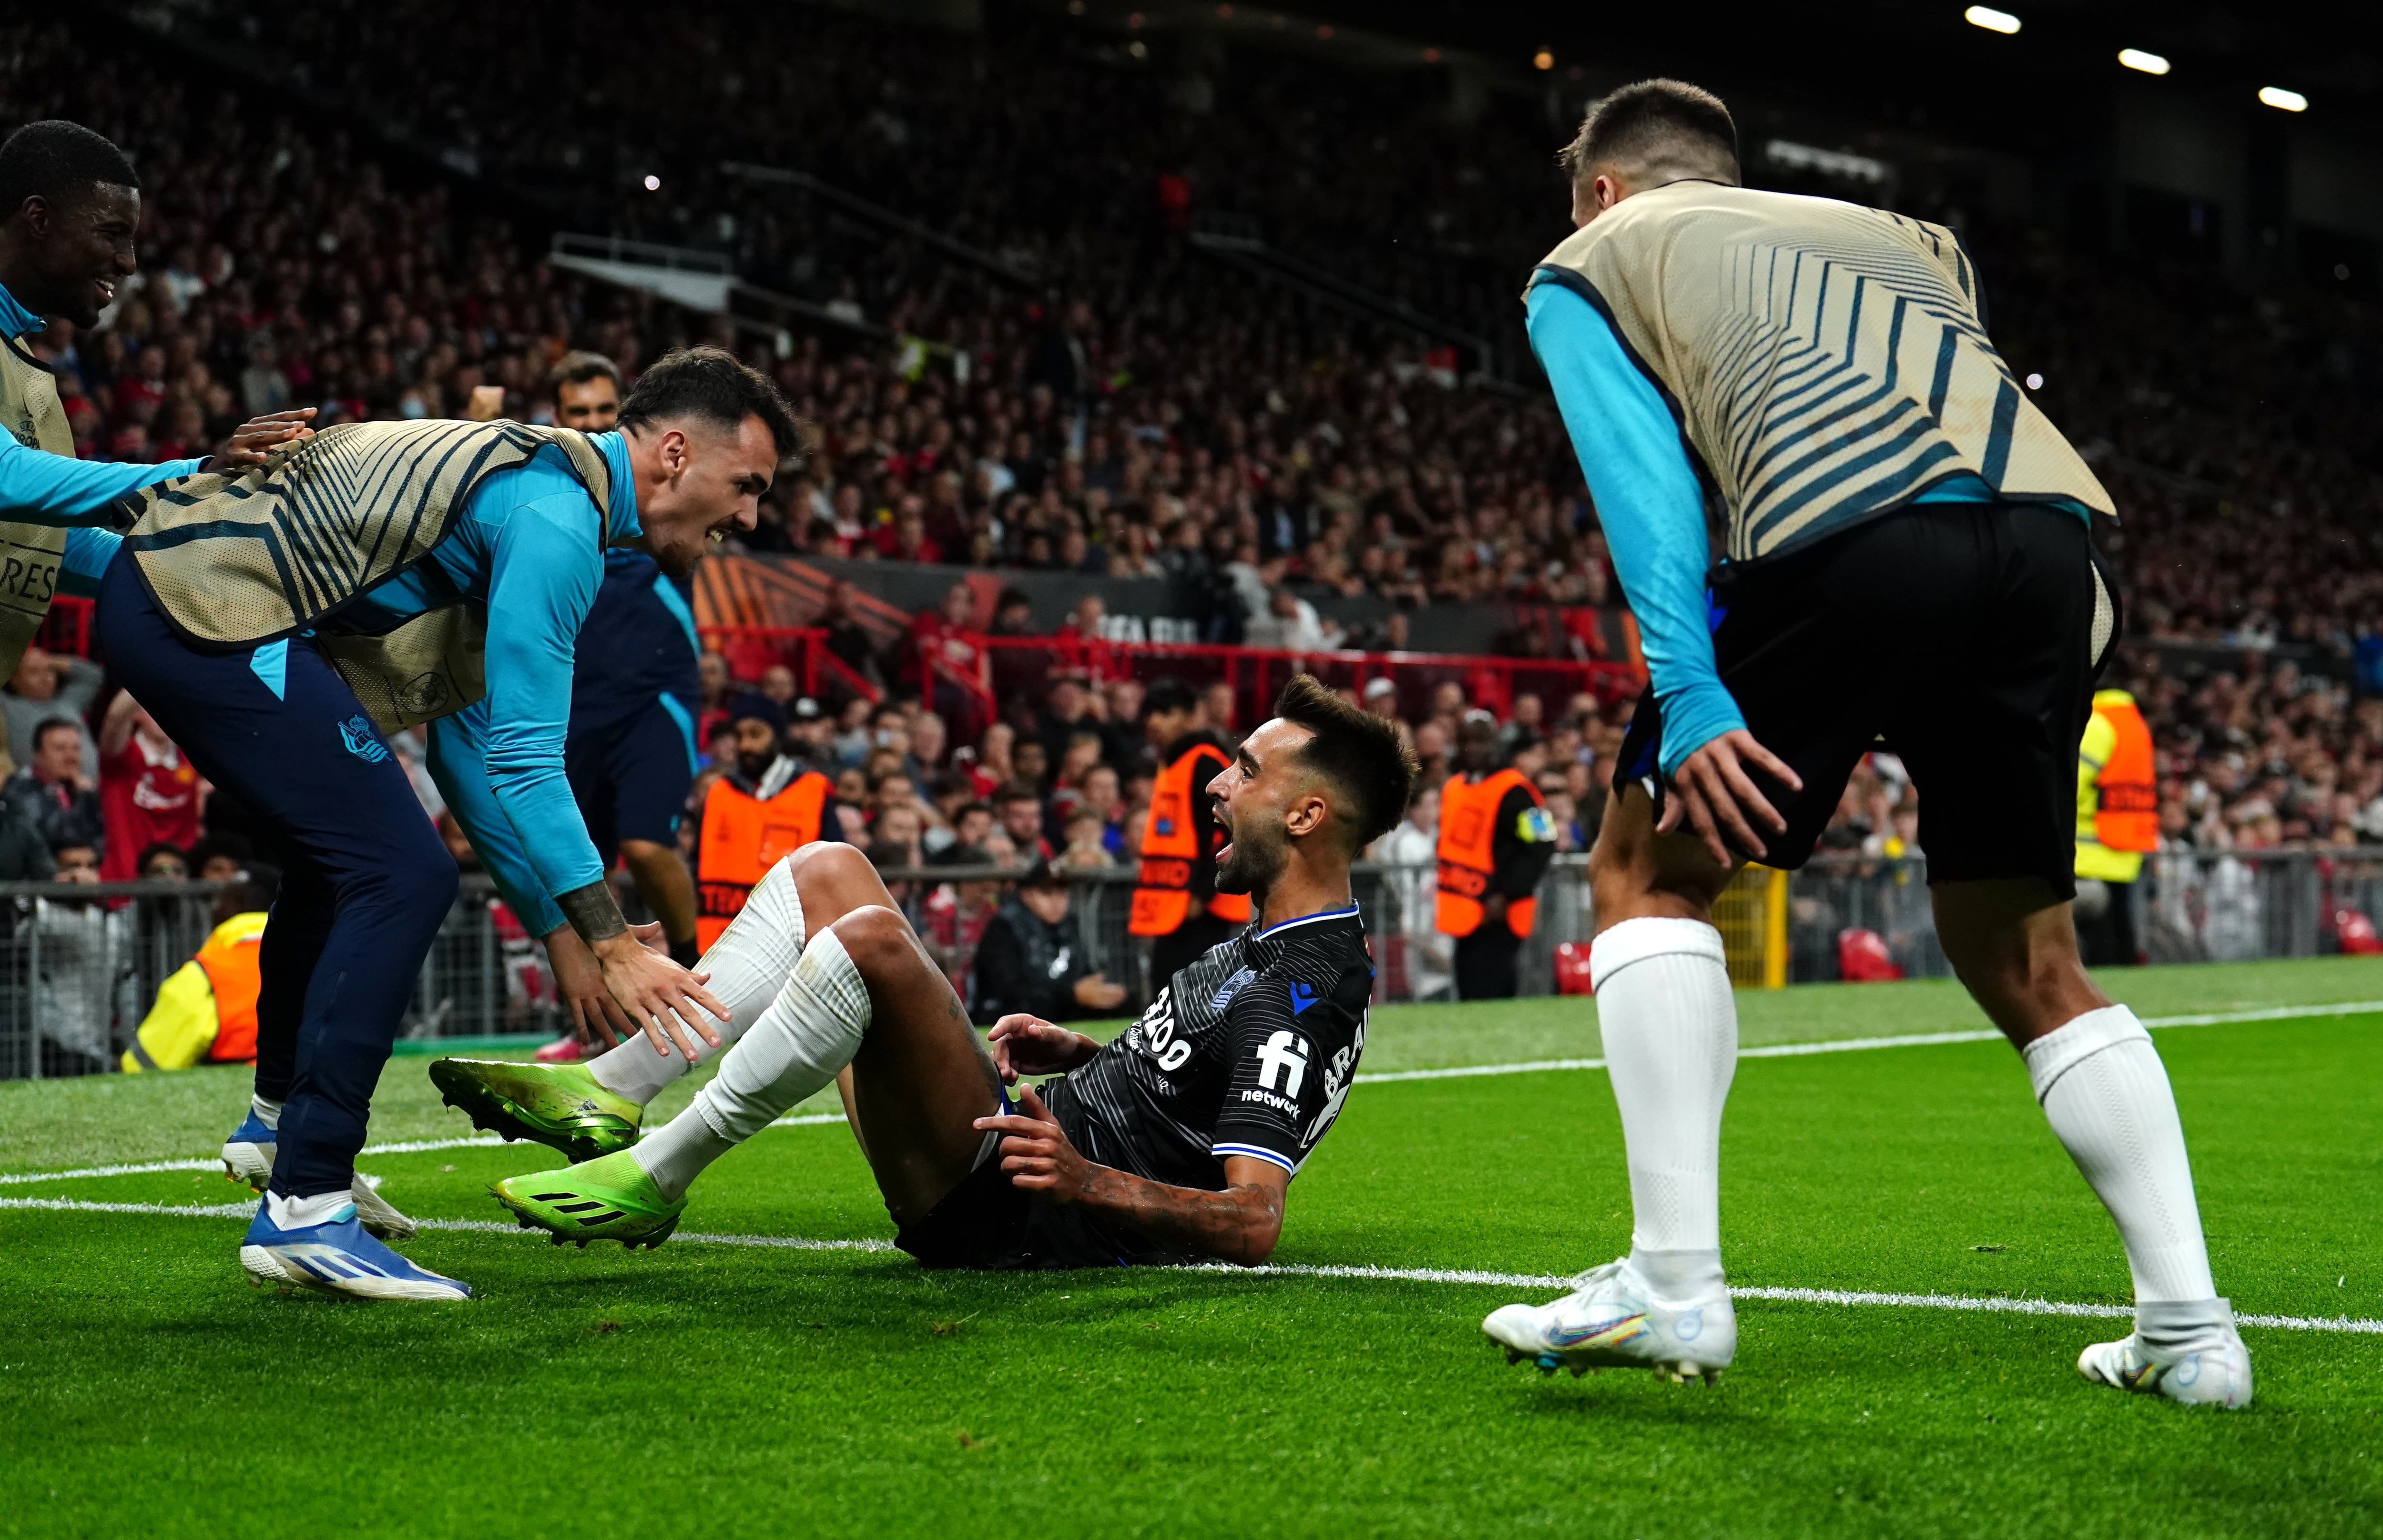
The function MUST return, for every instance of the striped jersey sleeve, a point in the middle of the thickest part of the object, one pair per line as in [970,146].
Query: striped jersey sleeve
[1294,1036]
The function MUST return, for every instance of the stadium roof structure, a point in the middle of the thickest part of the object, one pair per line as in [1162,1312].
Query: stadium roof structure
[1920,61]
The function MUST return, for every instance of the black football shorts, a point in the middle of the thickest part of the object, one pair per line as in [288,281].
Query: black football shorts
[1964,637]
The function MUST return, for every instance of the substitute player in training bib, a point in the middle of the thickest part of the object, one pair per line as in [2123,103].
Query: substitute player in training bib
[1175,1141]
[1907,556]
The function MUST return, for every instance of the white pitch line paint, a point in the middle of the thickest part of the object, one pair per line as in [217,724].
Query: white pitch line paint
[1457,1072]
[2349,1325]
[400,1147]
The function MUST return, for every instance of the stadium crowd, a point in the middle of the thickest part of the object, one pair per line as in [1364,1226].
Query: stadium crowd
[1147,411]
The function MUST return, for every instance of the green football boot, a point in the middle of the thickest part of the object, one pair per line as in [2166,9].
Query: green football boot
[610,1199]
[560,1105]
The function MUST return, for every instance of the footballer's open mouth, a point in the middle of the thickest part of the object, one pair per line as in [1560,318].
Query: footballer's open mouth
[104,290]
[1223,817]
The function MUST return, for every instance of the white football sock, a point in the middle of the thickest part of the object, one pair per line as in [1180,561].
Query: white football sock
[297,1214]
[267,1113]
[2107,1098]
[1670,1026]
[811,1031]
[748,965]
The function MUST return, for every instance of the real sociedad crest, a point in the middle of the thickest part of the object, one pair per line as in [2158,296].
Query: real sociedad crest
[1229,987]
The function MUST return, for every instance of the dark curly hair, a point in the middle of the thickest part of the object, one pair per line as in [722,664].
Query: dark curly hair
[712,385]
[1357,753]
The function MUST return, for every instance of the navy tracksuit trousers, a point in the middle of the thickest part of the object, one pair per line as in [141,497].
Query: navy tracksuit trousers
[365,879]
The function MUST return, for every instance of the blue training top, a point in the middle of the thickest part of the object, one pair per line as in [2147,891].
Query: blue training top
[38,487]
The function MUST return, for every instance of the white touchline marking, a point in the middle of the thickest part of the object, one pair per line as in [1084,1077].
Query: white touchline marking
[1858,1045]
[2354,1325]
[400,1147]
[1457,1072]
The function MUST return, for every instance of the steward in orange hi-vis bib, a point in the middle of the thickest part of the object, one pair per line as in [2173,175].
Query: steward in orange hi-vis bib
[1495,838]
[748,828]
[1175,903]
[1178,845]
[1468,839]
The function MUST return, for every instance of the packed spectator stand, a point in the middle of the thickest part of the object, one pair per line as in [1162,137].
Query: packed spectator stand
[1137,409]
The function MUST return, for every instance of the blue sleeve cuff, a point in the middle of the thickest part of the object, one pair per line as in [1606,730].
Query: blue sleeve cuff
[88,553]
[1695,717]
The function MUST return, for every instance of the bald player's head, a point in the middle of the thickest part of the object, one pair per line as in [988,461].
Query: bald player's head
[1645,135]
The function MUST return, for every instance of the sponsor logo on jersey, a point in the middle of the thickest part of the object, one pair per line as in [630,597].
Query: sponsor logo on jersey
[1301,996]
[1283,1058]
[1229,987]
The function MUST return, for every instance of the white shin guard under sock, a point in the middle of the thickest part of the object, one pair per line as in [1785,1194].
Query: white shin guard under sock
[808,1033]
[2107,1096]
[1670,1027]
[748,965]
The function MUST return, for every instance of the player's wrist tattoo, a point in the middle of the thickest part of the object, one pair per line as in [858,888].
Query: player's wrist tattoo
[593,911]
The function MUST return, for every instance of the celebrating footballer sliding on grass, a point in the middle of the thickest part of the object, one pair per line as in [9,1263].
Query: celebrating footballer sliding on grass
[1175,1141]
[1908,556]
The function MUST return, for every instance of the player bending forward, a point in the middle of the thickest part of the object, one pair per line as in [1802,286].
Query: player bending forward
[1175,1141]
[1907,556]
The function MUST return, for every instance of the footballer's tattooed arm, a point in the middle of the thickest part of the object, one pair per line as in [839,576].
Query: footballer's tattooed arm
[648,993]
[1239,1225]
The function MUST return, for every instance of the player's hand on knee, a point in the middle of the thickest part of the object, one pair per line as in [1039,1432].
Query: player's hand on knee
[659,997]
[1714,795]
[1036,1152]
[1024,1044]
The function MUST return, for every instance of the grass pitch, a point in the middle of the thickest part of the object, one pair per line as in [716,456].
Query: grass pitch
[740,1389]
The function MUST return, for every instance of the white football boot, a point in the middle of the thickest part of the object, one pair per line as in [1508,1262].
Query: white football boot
[248,1156]
[375,1212]
[1613,1321]
[2206,1365]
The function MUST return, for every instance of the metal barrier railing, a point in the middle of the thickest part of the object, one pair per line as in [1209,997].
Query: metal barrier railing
[79,965]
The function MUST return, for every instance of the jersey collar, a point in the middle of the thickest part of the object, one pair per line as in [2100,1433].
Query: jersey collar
[1348,912]
[621,518]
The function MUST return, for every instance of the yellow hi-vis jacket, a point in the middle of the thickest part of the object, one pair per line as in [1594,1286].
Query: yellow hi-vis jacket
[206,1009]
[2118,791]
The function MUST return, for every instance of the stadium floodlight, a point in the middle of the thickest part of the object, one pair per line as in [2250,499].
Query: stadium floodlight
[1991,20]
[1543,59]
[2150,64]
[2290,101]
[653,184]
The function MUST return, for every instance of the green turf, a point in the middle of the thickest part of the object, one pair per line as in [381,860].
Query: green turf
[52,1125]
[721,1391]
